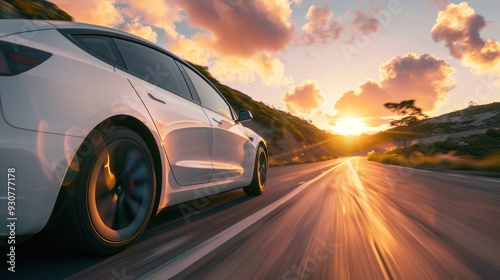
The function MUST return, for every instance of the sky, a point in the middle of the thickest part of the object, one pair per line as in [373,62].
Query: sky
[334,63]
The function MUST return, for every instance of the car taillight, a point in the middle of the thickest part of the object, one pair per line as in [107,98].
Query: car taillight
[16,59]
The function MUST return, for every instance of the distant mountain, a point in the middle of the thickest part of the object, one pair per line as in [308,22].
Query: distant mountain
[31,9]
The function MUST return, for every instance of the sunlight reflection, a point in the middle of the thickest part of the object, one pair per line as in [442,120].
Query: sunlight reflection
[109,177]
[381,238]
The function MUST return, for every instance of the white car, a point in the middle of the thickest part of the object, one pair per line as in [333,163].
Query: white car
[100,130]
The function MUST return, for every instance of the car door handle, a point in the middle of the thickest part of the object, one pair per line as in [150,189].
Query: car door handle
[219,122]
[156,99]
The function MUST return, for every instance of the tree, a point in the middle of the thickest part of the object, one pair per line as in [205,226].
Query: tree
[411,113]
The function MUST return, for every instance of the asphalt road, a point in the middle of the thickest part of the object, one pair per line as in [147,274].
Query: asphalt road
[342,219]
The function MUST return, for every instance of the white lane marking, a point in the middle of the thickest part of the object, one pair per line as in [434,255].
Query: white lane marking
[168,247]
[459,176]
[188,258]
[302,183]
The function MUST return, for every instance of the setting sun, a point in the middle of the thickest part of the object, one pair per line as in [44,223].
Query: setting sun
[350,126]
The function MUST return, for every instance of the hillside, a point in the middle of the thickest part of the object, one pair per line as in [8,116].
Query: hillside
[468,139]
[31,9]
[474,118]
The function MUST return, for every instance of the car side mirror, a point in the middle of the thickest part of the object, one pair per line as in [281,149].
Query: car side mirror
[244,116]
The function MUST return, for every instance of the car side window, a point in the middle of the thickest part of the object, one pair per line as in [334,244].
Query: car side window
[210,98]
[153,66]
[101,47]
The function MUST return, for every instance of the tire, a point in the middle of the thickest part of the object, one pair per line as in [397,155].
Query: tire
[259,179]
[111,199]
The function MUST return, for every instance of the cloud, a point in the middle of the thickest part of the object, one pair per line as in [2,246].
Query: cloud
[136,17]
[97,12]
[135,27]
[364,22]
[303,98]
[375,122]
[425,78]
[321,27]
[262,66]
[459,27]
[192,49]
[238,39]
[439,4]
[242,28]
[161,14]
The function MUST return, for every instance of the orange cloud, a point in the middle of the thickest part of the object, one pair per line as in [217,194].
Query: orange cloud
[193,49]
[136,17]
[96,12]
[161,14]
[424,78]
[241,38]
[242,28]
[261,66]
[375,122]
[303,98]
[459,27]
[135,27]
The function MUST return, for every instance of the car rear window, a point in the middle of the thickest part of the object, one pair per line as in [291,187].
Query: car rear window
[101,47]
[154,67]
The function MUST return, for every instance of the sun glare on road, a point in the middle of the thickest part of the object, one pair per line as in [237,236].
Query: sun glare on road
[350,126]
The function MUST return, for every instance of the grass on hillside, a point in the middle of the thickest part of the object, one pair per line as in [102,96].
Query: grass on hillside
[39,10]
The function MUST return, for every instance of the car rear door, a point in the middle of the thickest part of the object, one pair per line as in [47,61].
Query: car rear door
[185,129]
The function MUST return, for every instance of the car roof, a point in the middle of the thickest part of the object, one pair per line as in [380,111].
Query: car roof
[13,26]
[77,27]
[91,27]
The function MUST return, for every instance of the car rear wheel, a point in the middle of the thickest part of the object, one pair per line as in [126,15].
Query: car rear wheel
[259,180]
[113,193]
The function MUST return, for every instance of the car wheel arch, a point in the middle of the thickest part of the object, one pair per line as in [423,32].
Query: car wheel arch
[145,133]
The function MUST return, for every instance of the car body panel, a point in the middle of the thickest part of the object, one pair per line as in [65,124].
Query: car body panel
[41,161]
[185,131]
